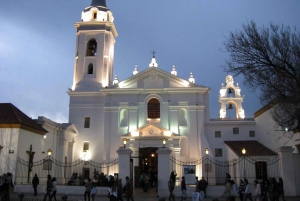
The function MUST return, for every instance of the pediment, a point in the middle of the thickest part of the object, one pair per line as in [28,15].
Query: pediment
[154,78]
[151,131]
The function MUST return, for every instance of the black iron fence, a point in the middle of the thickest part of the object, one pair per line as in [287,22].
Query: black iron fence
[66,173]
[214,171]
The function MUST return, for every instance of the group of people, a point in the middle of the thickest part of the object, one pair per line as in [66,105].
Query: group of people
[116,191]
[268,189]
[51,187]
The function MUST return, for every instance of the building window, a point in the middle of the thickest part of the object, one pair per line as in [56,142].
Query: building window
[218,152]
[91,48]
[86,122]
[251,133]
[86,145]
[95,15]
[90,69]
[261,170]
[217,134]
[236,131]
[153,109]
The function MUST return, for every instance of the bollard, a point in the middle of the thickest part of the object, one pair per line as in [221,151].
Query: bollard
[21,195]
[64,197]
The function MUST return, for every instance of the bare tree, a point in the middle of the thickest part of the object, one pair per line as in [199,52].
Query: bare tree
[269,60]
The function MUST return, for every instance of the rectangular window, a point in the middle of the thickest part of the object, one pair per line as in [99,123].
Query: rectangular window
[251,133]
[47,164]
[217,134]
[86,122]
[236,131]
[218,152]
[261,170]
[86,145]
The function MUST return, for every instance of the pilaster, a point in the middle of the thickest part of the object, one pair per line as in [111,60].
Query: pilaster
[287,169]
[164,170]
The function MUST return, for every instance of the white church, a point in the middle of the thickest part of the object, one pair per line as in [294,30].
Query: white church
[153,120]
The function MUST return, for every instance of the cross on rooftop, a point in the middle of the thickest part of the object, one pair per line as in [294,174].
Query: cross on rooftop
[153,53]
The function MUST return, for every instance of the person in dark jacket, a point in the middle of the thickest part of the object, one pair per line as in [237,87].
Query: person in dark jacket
[119,190]
[88,188]
[49,188]
[183,189]
[35,183]
[281,191]
[5,190]
[129,189]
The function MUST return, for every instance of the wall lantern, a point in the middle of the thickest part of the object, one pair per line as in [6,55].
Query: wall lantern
[206,151]
[49,152]
[164,142]
[244,151]
[124,142]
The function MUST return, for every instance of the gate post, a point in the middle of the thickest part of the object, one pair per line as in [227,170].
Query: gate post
[124,163]
[164,170]
[287,170]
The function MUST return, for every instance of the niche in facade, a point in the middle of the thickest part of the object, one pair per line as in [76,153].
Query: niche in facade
[90,69]
[91,48]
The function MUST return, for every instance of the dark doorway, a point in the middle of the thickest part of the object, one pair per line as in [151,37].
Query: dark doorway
[147,164]
[86,172]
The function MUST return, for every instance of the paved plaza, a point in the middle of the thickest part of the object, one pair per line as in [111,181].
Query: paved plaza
[138,196]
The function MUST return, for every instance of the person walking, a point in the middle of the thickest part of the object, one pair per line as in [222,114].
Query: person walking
[257,192]
[94,192]
[183,189]
[146,183]
[119,190]
[227,191]
[35,182]
[129,189]
[241,190]
[247,193]
[281,191]
[88,188]
[54,183]
[196,185]
[171,188]
[274,190]
[233,190]
[202,185]
[142,180]
[49,188]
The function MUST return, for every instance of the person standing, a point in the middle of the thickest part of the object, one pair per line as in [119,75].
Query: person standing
[54,183]
[281,191]
[119,190]
[183,189]
[274,190]
[129,189]
[88,188]
[247,193]
[173,176]
[142,180]
[35,182]
[146,183]
[202,185]
[227,191]
[5,190]
[241,190]
[94,192]
[49,188]
[196,185]
[171,188]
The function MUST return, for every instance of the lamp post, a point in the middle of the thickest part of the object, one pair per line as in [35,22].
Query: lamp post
[206,154]
[244,153]
[49,154]
[124,142]
[164,142]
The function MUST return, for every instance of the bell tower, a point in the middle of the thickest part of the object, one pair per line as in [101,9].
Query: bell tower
[94,54]
[235,100]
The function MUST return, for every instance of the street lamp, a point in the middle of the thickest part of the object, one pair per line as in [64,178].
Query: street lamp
[49,154]
[244,153]
[206,154]
[164,142]
[124,142]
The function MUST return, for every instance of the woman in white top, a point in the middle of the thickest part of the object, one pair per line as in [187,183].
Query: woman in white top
[257,193]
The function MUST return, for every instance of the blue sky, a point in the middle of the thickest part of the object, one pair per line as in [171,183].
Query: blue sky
[37,44]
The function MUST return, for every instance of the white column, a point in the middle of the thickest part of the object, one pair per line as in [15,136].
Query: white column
[124,162]
[287,170]
[177,157]
[164,170]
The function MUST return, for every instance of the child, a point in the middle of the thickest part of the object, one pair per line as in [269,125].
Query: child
[93,192]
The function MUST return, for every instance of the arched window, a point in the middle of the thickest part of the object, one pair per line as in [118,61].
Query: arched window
[91,48]
[153,109]
[95,15]
[90,69]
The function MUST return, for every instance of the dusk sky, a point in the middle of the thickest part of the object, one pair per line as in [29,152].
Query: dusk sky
[37,45]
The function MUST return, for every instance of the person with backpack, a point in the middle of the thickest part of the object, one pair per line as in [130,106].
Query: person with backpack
[49,188]
[94,192]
